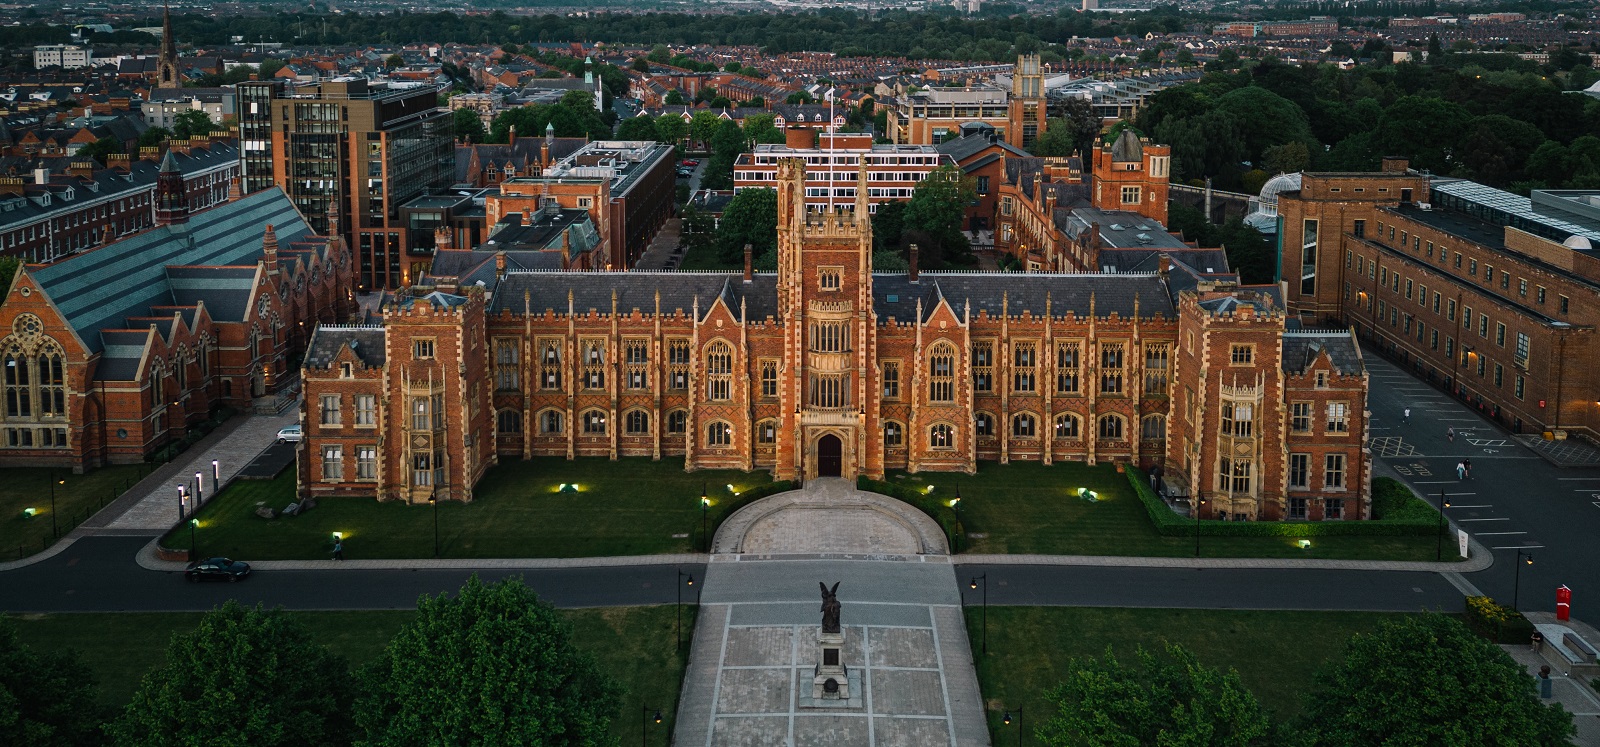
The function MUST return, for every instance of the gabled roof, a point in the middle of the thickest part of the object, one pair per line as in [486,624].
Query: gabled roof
[365,340]
[637,289]
[99,289]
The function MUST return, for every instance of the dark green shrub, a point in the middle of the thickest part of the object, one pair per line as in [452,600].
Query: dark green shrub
[936,509]
[1408,516]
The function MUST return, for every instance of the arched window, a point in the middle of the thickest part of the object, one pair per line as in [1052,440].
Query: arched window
[638,422]
[1111,426]
[719,371]
[983,424]
[941,436]
[893,435]
[1024,426]
[1153,428]
[594,423]
[508,421]
[767,432]
[941,373]
[550,422]
[19,401]
[1067,426]
[156,377]
[719,434]
[678,422]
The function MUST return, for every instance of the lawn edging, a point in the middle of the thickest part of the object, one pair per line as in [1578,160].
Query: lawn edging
[1406,515]
[729,508]
[941,513]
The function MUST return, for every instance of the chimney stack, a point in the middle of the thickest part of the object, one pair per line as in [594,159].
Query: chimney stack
[512,136]
[41,176]
[749,263]
[499,264]
[269,250]
[443,239]
[1165,264]
[911,271]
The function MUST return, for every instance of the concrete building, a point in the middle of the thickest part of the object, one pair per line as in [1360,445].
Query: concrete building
[166,104]
[932,115]
[68,56]
[1491,295]
[832,163]
[826,368]
[351,150]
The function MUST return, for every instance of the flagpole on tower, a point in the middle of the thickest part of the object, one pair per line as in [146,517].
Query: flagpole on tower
[829,96]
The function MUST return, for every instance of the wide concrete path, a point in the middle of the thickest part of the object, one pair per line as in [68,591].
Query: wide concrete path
[829,516]
[755,648]
[157,510]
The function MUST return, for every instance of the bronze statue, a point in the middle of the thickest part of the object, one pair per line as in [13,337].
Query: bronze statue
[830,607]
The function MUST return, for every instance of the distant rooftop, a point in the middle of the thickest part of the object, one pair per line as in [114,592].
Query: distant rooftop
[1555,215]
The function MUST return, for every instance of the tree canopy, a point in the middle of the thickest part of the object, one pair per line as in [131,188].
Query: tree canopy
[469,126]
[492,665]
[46,699]
[1167,700]
[246,677]
[1428,679]
[751,217]
[934,214]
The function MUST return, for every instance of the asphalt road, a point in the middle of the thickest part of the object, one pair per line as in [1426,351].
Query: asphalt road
[1514,499]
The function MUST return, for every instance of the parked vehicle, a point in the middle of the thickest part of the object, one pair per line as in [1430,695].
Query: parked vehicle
[291,434]
[220,569]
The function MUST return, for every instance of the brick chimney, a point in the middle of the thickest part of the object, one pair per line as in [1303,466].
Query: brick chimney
[911,271]
[1395,164]
[512,136]
[443,238]
[150,153]
[119,161]
[749,263]
[1164,264]
[800,138]
[235,189]
[83,169]
[269,250]
[499,264]
[11,185]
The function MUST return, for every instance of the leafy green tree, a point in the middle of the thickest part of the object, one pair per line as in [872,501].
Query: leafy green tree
[1185,56]
[671,129]
[726,145]
[641,64]
[702,126]
[1425,129]
[99,149]
[46,699]
[1264,119]
[493,665]
[393,61]
[1286,159]
[153,137]
[660,53]
[468,125]
[1427,679]
[888,224]
[1167,699]
[246,677]
[759,128]
[675,98]
[8,270]
[798,97]
[751,217]
[934,215]
[191,123]
[1495,148]
[637,128]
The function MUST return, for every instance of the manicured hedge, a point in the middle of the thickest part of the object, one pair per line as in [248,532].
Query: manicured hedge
[936,509]
[1401,514]
[1497,622]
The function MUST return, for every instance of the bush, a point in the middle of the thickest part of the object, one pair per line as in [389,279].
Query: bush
[1406,516]
[1497,622]
[942,514]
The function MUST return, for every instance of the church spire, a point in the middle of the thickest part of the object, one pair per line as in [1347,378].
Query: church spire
[167,65]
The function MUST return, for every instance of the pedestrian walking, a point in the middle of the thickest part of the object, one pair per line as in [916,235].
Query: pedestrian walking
[1407,417]
[1450,433]
[1461,470]
[1468,464]
[338,549]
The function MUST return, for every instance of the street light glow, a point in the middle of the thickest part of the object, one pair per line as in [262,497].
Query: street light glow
[29,512]
[1305,544]
[338,535]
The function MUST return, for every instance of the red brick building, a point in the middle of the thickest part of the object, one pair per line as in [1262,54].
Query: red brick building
[827,368]
[111,353]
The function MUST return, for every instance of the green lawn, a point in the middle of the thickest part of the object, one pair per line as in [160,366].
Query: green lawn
[77,497]
[632,644]
[1029,508]
[628,507]
[1029,647]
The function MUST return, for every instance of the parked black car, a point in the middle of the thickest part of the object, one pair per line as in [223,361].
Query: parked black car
[216,568]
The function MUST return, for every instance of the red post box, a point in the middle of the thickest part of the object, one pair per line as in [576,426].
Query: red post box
[1563,603]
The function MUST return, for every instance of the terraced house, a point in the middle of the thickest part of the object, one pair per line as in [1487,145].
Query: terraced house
[110,353]
[826,368]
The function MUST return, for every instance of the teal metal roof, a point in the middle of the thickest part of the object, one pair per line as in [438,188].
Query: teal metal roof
[100,289]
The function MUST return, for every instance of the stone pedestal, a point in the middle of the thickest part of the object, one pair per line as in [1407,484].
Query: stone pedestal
[831,680]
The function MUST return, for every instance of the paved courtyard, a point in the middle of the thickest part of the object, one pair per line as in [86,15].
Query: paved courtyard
[829,516]
[755,648]
[157,511]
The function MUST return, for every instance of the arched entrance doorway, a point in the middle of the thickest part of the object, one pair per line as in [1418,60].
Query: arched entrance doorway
[830,456]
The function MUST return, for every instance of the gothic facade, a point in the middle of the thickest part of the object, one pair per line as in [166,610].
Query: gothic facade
[827,368]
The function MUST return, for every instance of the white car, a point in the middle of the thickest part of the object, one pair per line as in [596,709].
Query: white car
[290,435]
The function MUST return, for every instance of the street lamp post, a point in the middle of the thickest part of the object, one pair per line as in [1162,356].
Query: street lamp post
[55,530]
[1516,583]
[681,583]
[955,506]
[194,549]
[705,505]
[1444,503]
[1198,502]
[433,499]
[199,490]
[1007,721]
[183,504]
[984,577]
[644,723]
[216,475]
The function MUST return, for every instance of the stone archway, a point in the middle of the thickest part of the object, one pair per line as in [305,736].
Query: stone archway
[830,456]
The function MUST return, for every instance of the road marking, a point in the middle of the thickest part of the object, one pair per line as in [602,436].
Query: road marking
[1491,534]
[1486,505]
[1437,482]
[1517,547]
[1462,585]
[1503,518]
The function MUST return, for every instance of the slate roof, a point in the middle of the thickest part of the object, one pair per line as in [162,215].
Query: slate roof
[100,289]
[119,359]
[1022,292]
[328,339]
[966,146]
[637,289]
[225,290]
[1300,349]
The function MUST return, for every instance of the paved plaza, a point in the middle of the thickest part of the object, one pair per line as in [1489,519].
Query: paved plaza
[157,510]
[756,646]
[830,516]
